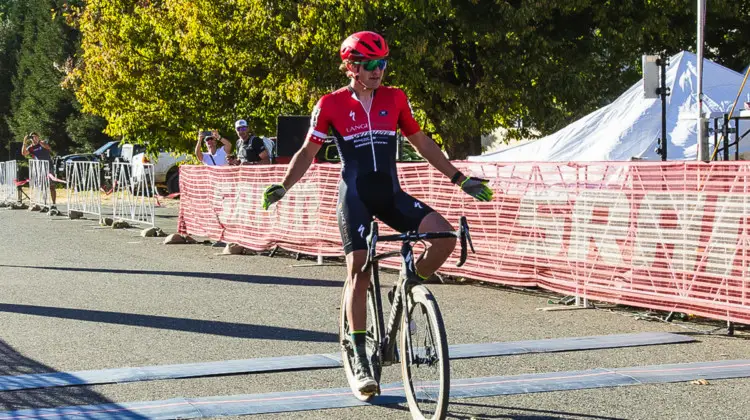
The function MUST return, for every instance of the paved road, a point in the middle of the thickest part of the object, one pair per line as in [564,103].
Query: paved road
[78,297]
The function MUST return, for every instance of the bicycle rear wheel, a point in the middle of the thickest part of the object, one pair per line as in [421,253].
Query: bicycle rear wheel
[425,366]
[373,342]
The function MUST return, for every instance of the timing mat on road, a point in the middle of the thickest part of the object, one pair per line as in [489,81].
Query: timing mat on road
[278,402]
[321,361]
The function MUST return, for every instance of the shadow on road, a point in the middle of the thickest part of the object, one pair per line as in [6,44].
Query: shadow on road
[246,278]
[12,363]
[530,414]
[227,329]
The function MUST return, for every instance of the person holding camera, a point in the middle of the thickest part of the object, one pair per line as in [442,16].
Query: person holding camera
[216,156]
[39,149]
[251,149]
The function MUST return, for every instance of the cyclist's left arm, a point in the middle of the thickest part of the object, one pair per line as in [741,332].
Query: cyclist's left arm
[424,144]
[475,187]
[432,153]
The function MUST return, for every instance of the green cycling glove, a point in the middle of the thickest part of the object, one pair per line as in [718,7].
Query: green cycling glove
[272,194]
[476,187]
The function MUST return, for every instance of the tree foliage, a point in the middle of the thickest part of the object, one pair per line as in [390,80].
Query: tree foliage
[158,70]
[9,44]
[36,46]
[38,102]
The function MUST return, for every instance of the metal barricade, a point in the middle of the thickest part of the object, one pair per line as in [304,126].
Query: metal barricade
[727,135]
[83,183]
[8,174]
[3,182]
[39,182]
[133,193]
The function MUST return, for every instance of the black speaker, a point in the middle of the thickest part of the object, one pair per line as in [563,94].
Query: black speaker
[291,131]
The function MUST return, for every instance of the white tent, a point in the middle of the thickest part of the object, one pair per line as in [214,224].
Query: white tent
[630,127]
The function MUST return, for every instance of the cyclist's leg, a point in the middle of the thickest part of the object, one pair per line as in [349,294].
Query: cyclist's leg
[412,214]
[354,223]
[356,307]
[439,249]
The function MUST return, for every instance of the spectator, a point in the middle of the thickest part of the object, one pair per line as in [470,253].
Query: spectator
[251,149]
[270,148]
[40,150]
[232,160]
[216,156]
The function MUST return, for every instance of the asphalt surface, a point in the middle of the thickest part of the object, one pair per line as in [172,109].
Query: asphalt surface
[76,297]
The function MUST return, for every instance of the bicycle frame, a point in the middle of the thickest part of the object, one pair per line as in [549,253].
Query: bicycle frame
[407,278]
[389,335]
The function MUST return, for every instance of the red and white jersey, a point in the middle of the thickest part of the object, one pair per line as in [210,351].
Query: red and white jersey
[366,141]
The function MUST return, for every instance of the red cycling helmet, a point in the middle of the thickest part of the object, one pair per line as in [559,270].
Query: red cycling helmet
[363,45]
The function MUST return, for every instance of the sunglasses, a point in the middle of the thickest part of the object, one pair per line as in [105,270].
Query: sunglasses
[241,128]
[373,64]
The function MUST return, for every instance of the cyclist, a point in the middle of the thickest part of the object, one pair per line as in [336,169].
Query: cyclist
[363,118]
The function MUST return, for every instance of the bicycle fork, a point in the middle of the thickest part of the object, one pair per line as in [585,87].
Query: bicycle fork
[399,309]
[389,340]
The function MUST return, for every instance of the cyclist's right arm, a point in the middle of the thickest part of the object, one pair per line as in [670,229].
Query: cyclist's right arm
[319,126]
[300,163]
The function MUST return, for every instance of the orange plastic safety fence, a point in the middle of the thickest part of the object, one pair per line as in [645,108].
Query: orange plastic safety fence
[670,236]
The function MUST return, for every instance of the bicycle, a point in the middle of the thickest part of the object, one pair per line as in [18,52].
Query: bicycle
[418,354]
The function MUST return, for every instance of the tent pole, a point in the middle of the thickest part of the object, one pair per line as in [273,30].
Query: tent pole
[663,91]
[703,152]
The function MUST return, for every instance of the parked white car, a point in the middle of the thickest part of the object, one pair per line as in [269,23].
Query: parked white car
[166,171]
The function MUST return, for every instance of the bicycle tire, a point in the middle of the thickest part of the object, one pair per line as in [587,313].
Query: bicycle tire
[373,342]
[422,403]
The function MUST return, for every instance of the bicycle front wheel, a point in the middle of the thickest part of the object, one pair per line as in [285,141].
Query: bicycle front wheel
[373,342]
[425,366]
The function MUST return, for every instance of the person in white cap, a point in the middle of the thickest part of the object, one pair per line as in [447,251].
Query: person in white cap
[250,148]
[216,156]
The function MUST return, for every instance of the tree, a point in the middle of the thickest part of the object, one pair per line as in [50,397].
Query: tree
[38,102]
[160,70]
[9,45]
